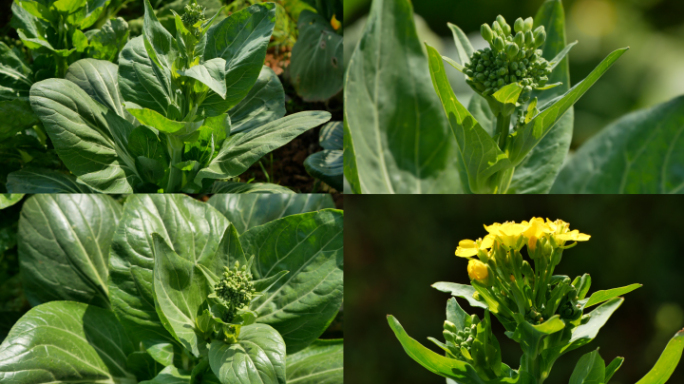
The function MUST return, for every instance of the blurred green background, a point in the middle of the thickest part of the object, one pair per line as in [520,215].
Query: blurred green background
[397,246]
[650,73]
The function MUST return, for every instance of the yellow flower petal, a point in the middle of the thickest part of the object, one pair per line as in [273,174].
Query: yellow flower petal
[573,235]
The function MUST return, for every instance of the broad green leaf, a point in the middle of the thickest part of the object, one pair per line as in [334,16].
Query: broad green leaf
[257,358]
[463,291]
[161,352]
[9,199]
[80,41]
[237,187]
[456,314]
[66,342]
[531,337]
[211,73]
[30,30]
[15,115]
[251,27]
[599,297]
[463,47]
[667,362]
[170,375]
[245,212]
[144,142]
[180,289]
[89,138]
[508,94]
[397,139]
[142,83]
[480,153]
[68,6]
[320,363]
[309,245]
[332,136]
[437,364]
[264,103]
[156,120]
[585,333]
[160,45]
[532,133]
[64,247]
[91,13]
[327,165]
[37,9]
[590,369]
[316,68]
[242,150]
[613,367]
[639,153]
[40,180]
[16,76]
[479,108]
[191,227]
[107,42]
[98,78]
[537,172]
[230,251]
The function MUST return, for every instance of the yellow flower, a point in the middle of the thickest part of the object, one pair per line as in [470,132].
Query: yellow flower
[536,229]
[509,232]
[335,23]
[561,231]
[477,270]
[469,248]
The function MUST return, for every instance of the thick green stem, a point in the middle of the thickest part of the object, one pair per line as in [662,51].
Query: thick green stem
[503,123]
[532,371]
[175,149]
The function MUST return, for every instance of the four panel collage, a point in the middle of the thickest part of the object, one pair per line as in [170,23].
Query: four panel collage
[174,178]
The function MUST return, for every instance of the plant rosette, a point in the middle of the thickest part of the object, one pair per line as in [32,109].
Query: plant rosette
[546,314]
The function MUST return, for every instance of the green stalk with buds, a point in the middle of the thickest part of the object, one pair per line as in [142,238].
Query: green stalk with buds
[547,314]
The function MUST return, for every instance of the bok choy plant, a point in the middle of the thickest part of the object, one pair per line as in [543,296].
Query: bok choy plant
[168,289]
[407,132]
[547,314]
[177,113]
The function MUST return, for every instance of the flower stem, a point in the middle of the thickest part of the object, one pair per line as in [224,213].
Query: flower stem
[503,123]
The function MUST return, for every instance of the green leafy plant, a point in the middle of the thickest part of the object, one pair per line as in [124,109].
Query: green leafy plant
[327,165]
[316,67]
[171,289]
[177,112]
[514,135]
[546,314]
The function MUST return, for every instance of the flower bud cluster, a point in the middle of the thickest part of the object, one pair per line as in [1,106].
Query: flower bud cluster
[193,13]
[459,338]
[509,59]
[235,289]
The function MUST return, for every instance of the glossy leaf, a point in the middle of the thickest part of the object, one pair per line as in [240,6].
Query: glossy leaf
[180,289]
[66,342]
[599,297]
[40,180]
[98,78]
[332,136]
[316,68]
[396,139]
[9,199]
[667,362]
[613,367]
[456,314]
[590,369]
[245,212]
[16,115]
[639,153]
[257,358]
[69,236]
[246,188]
[463,47]
[585,333]
[211,73]
[481,154]
[192,228]
[241,40]
[532,133]
[156,120]
[107,42]
[463,291]
[437,364]
[264,103]
[16,76]
[320,363]
[302,304]
[170,375]
[89,138]
[244,149]
[328,166]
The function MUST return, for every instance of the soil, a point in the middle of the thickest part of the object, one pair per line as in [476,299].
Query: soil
[285,166]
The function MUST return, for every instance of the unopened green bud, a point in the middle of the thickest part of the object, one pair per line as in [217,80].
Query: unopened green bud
[539,36]
[497,28]
[529,39]
[498,44]
[514,79]
[486,32]
[235,289]
[520,39]
[193,13]
[502,23]
[500,83]
[512,50]
[529,23]
[519,25]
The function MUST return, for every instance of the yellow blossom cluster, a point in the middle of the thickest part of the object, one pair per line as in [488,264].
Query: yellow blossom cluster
[510,234]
